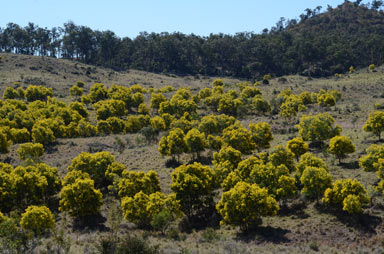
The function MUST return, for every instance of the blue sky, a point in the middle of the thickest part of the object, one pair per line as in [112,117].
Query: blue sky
[129,17]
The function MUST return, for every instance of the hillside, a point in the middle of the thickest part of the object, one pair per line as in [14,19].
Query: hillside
[318,44]
[300,227]
[61,74]
[346,19]
[338,38]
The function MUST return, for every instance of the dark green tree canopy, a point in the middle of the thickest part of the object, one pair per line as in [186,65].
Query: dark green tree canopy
[316,44]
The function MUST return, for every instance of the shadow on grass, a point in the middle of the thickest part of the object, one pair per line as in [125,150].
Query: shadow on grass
[349,165]
[93,223]
[172,163]
[377,206]
[207,218]
[294,209]
[8,160]
[316,146]
[53,203]
[203,160]
[364,223]
[264,234]
[372,141]
[51,147]
[95,147]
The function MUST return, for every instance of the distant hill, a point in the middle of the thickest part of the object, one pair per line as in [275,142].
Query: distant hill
[61,74]
[318,44]
[330,42]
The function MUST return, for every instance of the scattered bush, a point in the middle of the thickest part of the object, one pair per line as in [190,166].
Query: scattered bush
[317,128]
[142,208]
[38,219]
[33,93]
[195,141]
[193,185]
[76,91]
[315,181]
[298,147]
[375,123]
[245,204]
[93,164]
[4,143]
[374,154]
[173,144]
[241,139]
[97,93]
[30,151]
[80,198]
[340,146]
[282,156]
[133,182]
[348,194]
[261,135]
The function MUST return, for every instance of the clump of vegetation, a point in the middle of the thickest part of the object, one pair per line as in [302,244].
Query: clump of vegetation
[80,198]
[348,194]
[375,123]
[37,219]
[340,146]
[245,204]
[193,185]
[155,209]
[218,137]
[30,151]
[298,147]
[318,128]
[315,182]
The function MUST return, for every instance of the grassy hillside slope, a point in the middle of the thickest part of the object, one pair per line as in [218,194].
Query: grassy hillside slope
[301,228]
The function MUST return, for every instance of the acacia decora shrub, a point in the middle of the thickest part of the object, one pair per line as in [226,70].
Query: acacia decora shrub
[369,161]
[33,93]
[347,194]
[340,146]
[133,182]
[261,135]
[80,198]
[318,127]
[142,208]
[31,151]
[193,185]
[239,138]
[245,205]
[38,219]
[298,147]
[315,182]
[375,123]
[94,164]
